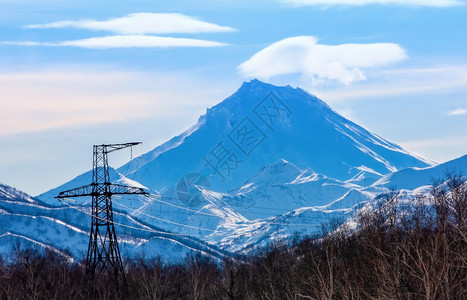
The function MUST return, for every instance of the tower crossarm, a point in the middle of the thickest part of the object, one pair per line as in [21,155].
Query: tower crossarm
[82,191]
[119,189]
[93,190]
[114,147]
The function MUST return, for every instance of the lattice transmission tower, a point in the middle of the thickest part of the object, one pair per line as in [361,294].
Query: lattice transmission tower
[103,251]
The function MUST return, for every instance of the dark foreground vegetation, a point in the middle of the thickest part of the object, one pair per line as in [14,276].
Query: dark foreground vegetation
[399,251]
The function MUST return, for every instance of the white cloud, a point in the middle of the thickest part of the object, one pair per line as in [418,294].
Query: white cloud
[133,31]
[457,112]
[430,3]
[126,41]
[143,23]
[320,63]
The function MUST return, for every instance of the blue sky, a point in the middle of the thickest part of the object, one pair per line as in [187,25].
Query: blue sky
[77,74]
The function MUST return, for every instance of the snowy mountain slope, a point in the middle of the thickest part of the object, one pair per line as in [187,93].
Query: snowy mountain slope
[270,206]
[260,124]
[168,213]
[26,221]
[265,229]
[275,190]
[283,187]
[29,222]
[277,202]
[273,204]
[10,193]
[305,221]
[412,178]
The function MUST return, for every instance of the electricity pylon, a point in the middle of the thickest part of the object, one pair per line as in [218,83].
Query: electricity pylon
[103,252]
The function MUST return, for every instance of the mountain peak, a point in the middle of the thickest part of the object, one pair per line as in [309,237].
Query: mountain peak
[280,171]
[256,84]
[258,125]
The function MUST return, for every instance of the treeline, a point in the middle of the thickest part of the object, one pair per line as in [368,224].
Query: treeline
[402,249]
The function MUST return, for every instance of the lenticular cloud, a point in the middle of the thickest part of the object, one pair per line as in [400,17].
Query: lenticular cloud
[142,23]
[321,63]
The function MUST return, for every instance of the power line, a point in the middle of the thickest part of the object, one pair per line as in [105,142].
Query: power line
[148,229]
[284,209]
[180,207]
[263,222]
[199,212]
[164,220]
[239,211]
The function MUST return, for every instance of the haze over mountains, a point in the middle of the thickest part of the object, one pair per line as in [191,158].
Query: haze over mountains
[266,163]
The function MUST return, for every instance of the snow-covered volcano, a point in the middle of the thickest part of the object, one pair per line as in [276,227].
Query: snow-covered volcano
[260,124]
[266,163]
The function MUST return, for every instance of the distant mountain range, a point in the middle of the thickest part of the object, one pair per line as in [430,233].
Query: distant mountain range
[265,164]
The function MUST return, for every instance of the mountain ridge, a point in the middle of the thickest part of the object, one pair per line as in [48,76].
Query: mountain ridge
[423,176]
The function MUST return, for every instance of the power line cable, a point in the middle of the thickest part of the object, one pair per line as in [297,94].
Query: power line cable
[154,197]
[163,220]
[148,229]
[265,222]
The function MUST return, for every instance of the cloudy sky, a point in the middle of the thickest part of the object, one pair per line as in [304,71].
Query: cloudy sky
[74,74]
